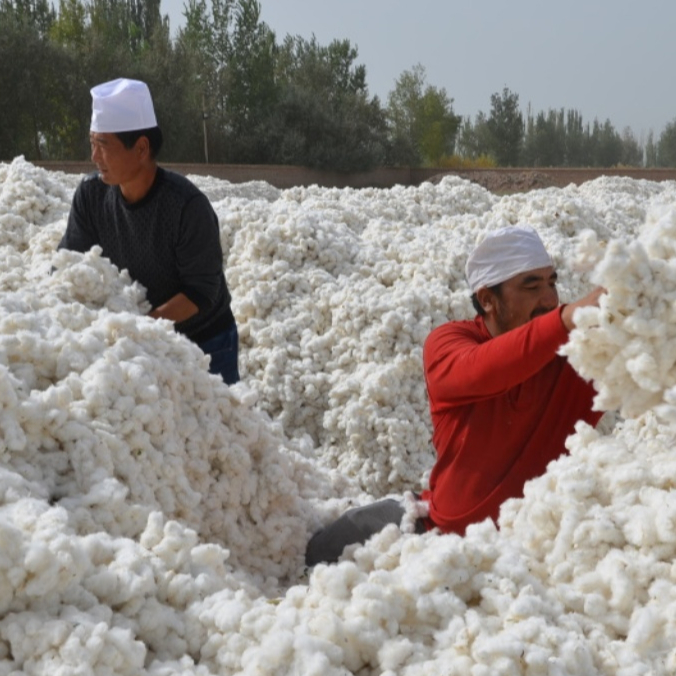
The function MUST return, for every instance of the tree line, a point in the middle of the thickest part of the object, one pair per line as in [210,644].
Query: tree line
[558,138]
[227,91]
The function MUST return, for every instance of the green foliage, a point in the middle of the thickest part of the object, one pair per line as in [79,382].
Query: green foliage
[650,151]
[30,79]
[666,146]
[249,86]
[545,140]
[421,118]
[68,29]
[505,127]
[606,145]
[576,153]
[298,103]
[324,116]
[226,91]
[632,153]
[458,162]
[557,138]
[475,139]
[34,15]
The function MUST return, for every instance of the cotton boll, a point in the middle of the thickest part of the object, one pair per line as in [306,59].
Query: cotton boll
[12,572]
[393,654]
[67,644]
[621,201]
[95,282]
[14,487]
[589,251]
[659,232]
[11,268]
[347,332]
[188,504]
[45,563]
[628,329]
[123,578]
[13,437]
[612,591]
[182,667]
[646,628]
[241,193]
[29,193]
[302,655]
[115,395]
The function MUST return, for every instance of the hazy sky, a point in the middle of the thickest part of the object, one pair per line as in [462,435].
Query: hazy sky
[607,59]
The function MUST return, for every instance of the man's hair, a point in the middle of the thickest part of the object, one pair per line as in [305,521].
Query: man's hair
[153,134]
[496,289]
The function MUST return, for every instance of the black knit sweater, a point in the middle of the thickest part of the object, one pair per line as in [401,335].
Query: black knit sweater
[169,241]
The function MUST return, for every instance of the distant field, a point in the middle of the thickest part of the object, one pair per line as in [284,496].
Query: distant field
[520,180]
[496,180]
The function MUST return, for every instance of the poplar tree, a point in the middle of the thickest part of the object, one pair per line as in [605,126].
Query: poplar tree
[422,122]
[29,78]
[666,146]
[506,128]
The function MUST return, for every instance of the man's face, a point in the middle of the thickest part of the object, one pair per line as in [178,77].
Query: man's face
[117,165]
[520,299]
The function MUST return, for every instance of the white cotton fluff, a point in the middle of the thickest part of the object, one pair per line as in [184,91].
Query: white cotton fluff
[154,520]
[627,345]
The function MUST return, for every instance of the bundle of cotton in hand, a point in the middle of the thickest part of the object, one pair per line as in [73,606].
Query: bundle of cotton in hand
[154,520]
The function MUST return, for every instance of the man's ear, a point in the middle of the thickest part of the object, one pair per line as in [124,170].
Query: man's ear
[486,299]
[142,147]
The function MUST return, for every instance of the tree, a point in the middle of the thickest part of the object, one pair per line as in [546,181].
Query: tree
[325,117]
[68,29]
[506,128]
[195,43]
[421,117]
[102,40]
[250,85]
[298,103]
[650,151]
[666,146]
[545,140]
[632,152]
[172,82]
[606,145]
[31,70]
[474,140]
[576,140]
[402,113]
[232,57]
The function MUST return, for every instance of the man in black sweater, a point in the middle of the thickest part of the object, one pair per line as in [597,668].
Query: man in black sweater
[154,223]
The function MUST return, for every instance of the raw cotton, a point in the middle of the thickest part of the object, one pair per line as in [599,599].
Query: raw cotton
[154,520]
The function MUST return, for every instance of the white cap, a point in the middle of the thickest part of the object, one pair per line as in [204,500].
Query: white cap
[122,105]
[503,254]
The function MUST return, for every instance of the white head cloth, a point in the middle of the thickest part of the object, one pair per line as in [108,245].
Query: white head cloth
[122,105]
[503,254]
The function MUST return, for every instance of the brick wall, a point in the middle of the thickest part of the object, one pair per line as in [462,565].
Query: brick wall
[385,177]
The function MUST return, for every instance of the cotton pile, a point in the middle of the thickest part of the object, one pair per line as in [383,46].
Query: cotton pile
[154,520]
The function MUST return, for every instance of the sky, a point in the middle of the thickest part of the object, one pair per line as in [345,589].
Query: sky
[606,59]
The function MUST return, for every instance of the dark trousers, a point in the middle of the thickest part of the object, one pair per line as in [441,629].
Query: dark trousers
[223,350]
[356,525]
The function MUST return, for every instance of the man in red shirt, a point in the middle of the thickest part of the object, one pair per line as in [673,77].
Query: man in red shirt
[502,400]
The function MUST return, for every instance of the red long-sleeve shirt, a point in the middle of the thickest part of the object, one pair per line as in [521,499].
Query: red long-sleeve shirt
[501,410]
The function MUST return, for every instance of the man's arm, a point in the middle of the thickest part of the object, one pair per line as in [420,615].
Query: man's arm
[80,234]
[589,300]
[176,309]
[461,367]
[199,255]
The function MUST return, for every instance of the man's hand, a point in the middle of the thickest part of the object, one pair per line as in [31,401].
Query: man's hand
[177,309]
[590,299]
